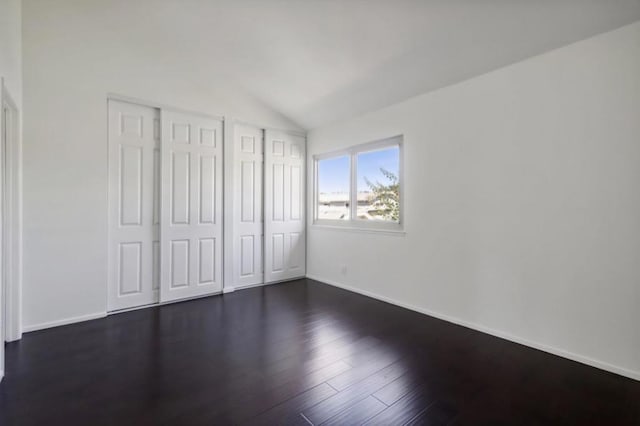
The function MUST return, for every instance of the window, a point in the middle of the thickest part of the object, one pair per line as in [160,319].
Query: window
[361,186]
[333,188]
[378,184]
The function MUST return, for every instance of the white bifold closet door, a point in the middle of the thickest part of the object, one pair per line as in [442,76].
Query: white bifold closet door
[134,143]
[248,225]
[284,206]
[191,206]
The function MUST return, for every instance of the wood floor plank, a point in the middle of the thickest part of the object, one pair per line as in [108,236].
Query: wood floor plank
[410,405]
[286,412]
[283,386]
[395,390]
[357,413]
[254,403]
[354,394]
[363,369]
[437,414]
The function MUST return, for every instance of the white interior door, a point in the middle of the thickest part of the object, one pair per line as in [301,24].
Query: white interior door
[284,206]
[248,226]
[134,143]
[191,206]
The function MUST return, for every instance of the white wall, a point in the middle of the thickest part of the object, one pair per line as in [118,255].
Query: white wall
[522,203]
[73,56]
[11,47]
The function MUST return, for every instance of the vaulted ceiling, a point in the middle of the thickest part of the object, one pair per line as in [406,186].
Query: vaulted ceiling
[318,61]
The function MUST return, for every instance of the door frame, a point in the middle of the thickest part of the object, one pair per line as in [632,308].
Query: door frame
[12,218]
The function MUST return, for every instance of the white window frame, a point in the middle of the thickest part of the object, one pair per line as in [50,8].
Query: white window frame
[352,153]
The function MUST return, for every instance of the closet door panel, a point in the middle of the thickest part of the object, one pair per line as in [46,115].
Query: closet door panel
[191,206]
[285,247]
[133,144]
[247,188]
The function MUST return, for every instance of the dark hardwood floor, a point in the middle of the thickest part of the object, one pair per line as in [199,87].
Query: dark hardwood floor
[297,353]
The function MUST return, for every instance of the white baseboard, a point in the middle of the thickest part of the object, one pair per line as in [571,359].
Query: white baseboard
[244,287]
[15,337]
[65,321]
[187,299]
[135,308]
[168,302]
[1,375]
[228,289]
[501,334]
[248,286]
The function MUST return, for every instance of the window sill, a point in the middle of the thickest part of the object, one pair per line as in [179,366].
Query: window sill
[397,232]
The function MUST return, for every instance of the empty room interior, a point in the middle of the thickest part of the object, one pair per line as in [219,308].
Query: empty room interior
[320,212]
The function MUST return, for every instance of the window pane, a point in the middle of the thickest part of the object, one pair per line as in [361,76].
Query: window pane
[333,188]
[379,185]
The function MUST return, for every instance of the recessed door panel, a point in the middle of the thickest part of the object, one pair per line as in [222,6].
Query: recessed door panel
[180,132]
[131,185]
[247,191]
[156,186]
[180,182]
[278,148]
[130,262]
[206,260]
[278,194]
[296,193]
[295,250]
[247,144]
[179,263]
[131,125]
[208,137]
[156,265]
[247,249]
[277,251]
[207,184]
